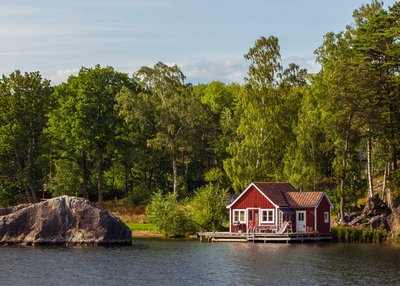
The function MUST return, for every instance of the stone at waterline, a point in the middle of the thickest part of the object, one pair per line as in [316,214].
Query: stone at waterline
[62,220]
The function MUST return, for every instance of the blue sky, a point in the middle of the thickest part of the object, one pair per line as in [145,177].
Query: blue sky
[206,38]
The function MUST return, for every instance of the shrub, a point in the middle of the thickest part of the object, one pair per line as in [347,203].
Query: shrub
[208,207]
[167,215]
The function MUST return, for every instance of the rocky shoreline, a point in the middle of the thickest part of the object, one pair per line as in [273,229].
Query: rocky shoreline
[375,215]
[62,221]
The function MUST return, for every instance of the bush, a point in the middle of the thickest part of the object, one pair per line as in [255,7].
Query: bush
[167,215]
[208,207]
[139,195]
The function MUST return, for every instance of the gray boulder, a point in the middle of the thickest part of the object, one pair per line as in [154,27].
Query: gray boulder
[62,221]
[374,214]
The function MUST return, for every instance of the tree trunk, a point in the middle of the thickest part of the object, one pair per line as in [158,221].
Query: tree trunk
[369,168]
[343,177]
[85,177]
[28,195]
[175,172]
[100,179]
[33,193]
[29,191]
[385,175]
[126,180]
[394,157]
[186,164]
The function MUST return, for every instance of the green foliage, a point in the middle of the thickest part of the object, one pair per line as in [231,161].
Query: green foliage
[83,127]
[25,100]
[65,180]
[268,108]
[10,195]
[208,207]
[139,195]
[168,216]
[166,107]
[307,162]
[359,234]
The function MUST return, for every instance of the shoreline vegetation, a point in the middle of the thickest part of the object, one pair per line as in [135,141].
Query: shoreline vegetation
[339,233]
[362,235]
[135,219]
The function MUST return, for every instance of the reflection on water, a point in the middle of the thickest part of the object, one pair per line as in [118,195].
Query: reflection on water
[151,262]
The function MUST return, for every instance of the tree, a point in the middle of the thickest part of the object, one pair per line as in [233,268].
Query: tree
[218,127]
[342,105]
[84,125]
[377,54]
[308,164]
[24,101]
[166,106]
[268,109]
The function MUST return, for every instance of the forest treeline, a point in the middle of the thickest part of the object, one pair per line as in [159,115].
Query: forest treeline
[104,134]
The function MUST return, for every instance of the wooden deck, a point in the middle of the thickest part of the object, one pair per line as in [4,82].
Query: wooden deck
[263,237]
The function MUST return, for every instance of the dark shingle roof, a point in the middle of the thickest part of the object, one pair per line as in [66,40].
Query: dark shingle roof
[275,191]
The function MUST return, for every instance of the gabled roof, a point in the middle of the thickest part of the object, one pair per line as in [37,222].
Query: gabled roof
[273,191]
[276,191]
[283,194]
[304,199]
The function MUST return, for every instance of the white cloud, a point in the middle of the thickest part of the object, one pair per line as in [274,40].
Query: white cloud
[199,72]
[60,75]
[206,71]
[236,71]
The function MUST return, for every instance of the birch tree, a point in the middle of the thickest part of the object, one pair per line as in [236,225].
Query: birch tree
[266,115]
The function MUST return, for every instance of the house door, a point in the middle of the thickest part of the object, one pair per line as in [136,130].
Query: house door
[300,221]
[253,219]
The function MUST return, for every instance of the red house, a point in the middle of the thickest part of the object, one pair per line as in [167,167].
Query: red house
[278,207]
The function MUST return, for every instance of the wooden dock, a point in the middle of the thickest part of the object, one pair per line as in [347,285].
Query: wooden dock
[263,237]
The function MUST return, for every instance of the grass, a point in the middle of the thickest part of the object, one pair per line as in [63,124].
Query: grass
[359,234]
[126,211]
[142,226]
[134,217]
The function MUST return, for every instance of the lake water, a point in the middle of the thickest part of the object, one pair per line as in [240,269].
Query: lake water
[156,262]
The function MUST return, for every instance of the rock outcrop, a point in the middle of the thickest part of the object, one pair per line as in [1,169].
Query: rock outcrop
[62,221]
[374,214]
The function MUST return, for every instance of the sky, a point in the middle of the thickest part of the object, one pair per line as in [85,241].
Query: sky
[205,38]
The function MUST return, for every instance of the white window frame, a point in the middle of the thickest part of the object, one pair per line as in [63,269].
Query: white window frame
[239,211]
[326,217]
[262,216]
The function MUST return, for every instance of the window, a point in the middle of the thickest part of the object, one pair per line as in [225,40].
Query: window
[267,215]
[326,217]
[300,216]
[239,215]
